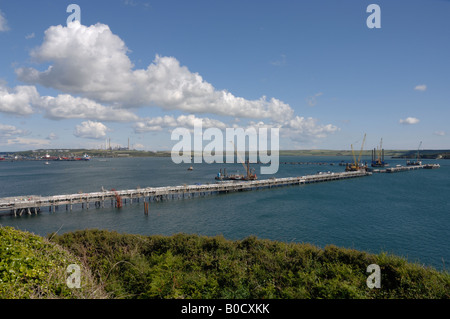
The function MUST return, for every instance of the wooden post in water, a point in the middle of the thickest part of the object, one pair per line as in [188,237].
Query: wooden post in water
[145,208]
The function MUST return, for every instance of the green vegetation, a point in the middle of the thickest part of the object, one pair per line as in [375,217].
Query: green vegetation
[190,266]
[33,267]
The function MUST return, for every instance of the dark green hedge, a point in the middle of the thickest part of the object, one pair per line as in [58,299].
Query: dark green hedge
[192,266]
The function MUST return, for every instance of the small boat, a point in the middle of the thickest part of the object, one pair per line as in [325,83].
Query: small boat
[190,168]
[47,163]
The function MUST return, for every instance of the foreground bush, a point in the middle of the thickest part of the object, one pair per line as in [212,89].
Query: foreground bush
[33,267]
[191,266]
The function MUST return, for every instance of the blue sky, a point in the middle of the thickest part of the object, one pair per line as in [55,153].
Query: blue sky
[137,69]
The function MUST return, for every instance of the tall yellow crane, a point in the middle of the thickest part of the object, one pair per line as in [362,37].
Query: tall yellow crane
[355,166]
[362,146]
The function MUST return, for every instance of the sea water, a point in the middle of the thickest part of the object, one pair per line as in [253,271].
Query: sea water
[405,213]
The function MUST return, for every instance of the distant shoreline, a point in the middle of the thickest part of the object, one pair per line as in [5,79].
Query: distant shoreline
[36,154]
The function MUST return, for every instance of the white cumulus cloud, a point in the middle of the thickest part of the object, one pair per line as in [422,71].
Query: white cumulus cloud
[19,100]
[65,106]
[302,128]
[52,136]
[91,129]
[3,23]
[7,130]
[93,62]
[26,100]
[29,142]
[30,36]
[421,87]
[90,65]
[409,121]
[187,121]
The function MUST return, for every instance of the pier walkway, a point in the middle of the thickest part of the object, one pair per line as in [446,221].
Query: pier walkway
[33,204]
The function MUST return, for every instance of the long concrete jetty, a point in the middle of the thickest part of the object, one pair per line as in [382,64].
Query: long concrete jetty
[33,204]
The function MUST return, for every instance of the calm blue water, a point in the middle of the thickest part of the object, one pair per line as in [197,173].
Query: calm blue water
[406,213]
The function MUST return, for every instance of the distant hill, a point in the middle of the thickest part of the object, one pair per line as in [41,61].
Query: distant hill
[429,154]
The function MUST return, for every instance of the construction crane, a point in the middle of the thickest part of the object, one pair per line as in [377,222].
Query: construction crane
[249,176]
[356,165]
[379,160]
[417,162]
[420,144]
[362,146]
